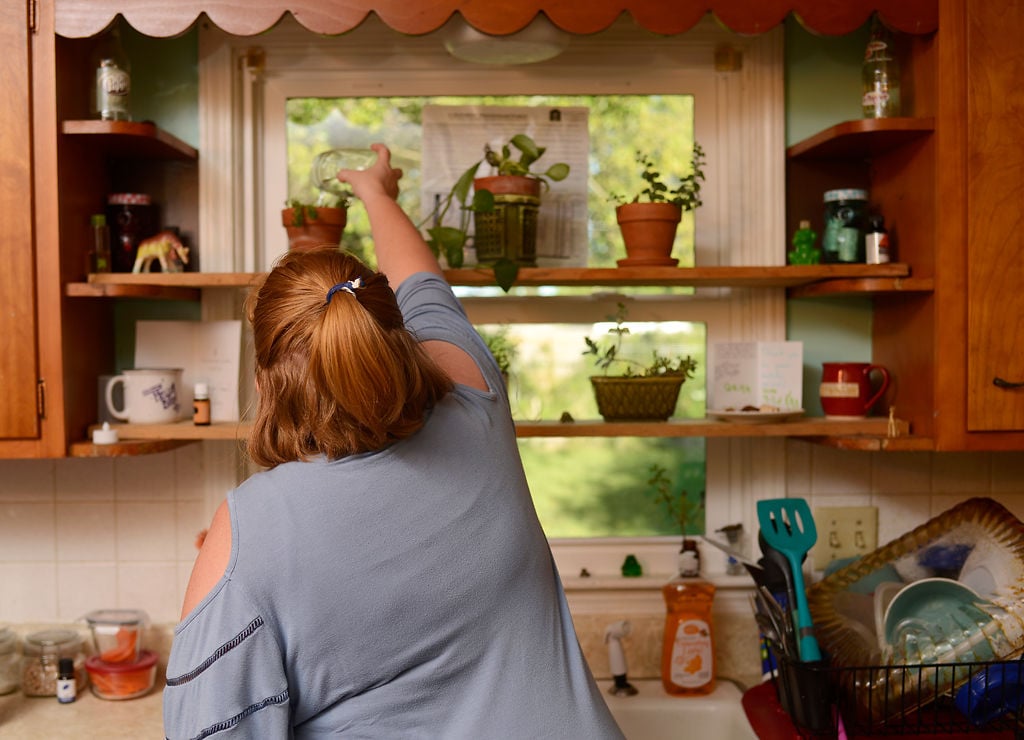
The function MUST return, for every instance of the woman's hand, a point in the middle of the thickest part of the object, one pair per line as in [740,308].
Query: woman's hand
[380,179]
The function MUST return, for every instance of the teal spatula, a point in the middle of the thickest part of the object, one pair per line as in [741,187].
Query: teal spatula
[788,526]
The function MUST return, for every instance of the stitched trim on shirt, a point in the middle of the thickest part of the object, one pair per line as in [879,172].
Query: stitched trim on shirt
[251,709]
[218,653]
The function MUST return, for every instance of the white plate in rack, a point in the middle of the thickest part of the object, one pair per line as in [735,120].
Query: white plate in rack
[755,417]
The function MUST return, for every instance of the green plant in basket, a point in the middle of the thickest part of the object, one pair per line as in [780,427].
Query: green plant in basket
[642,391]
[607,354]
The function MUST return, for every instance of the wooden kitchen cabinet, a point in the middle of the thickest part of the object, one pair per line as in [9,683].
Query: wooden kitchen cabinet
[55,346]
[947,179]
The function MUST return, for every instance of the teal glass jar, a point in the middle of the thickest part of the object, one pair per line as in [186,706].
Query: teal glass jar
[845,218]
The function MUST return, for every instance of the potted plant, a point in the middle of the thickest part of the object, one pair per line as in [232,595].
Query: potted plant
[502,348]
[649,221]
[642,392]
[684,511]
[504,209]
[309,225]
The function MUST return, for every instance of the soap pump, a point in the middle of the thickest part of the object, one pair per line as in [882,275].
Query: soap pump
[613,635]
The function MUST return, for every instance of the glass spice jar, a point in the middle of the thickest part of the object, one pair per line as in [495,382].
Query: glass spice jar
[10,660]
[42,654]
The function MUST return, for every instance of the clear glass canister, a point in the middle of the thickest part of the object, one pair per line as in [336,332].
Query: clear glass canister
[10,660]
[43,650]
[845,213]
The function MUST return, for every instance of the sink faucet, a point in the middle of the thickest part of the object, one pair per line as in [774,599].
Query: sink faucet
[613,635]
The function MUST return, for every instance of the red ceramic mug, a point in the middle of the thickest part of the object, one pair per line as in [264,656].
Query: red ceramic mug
[846,388]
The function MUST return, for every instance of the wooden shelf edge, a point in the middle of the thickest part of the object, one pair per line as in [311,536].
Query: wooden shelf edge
[779,276]
[863,137]
[862,286]
[182,431]
[127,447]
[163,292]
[874,428]
[875,444]
[166,144]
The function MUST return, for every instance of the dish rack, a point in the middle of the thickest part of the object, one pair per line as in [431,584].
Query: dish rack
[826,701]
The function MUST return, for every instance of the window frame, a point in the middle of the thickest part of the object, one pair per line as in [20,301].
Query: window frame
[244,80]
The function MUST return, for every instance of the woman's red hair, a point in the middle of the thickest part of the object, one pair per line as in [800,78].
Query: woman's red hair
[335,377]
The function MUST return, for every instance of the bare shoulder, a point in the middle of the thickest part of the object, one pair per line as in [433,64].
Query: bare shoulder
[212,560]
[457,363]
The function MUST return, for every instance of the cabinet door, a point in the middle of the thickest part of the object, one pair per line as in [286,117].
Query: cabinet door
[995,188]
[19,372]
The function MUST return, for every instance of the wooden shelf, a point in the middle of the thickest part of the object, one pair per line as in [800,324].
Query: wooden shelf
[127,448]
[131,140]
[854,278]
[863,286]
[862,139]
[805,427]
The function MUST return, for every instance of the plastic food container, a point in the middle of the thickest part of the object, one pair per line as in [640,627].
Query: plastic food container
[116,681]
[43,650]
[10,660]
[117,634]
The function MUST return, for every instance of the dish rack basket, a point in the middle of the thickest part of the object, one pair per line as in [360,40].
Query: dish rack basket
[826,701]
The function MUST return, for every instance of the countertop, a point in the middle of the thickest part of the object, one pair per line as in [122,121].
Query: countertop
[43,718]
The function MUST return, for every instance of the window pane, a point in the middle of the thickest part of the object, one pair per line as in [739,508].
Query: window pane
[582,487]
[662,125]
[597,487]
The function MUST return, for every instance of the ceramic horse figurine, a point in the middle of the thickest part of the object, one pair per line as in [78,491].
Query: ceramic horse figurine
[167,248]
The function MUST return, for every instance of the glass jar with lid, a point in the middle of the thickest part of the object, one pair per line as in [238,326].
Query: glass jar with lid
[845,213]
[10,660]
[42,652]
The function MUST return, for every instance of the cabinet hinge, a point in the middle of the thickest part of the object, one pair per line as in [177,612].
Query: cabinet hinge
[33,15]
[41,399]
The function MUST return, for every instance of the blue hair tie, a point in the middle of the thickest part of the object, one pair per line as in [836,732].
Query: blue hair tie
[349,286]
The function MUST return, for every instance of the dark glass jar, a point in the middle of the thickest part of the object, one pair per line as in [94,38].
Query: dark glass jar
[131,218]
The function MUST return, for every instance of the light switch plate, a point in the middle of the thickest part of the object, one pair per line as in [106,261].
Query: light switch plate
[844,532]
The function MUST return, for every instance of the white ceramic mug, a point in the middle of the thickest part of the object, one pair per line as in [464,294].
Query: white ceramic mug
[151,395]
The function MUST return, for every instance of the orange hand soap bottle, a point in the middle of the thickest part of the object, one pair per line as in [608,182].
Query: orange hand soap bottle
[688,656]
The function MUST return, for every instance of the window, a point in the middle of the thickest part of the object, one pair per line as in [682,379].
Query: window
[737,119]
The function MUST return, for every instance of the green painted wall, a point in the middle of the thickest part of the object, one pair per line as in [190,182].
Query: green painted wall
[823,89]
[165,89]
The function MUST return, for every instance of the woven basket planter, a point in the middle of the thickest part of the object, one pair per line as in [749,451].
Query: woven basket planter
[636,399]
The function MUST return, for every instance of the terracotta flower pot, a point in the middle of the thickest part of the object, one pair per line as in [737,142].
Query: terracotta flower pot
[326,228]
[648,231]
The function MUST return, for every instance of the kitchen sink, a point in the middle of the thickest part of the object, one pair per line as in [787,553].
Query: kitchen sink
[654,715]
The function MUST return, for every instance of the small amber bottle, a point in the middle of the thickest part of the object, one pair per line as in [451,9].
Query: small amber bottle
[201,405]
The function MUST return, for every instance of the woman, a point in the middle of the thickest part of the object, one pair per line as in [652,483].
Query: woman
[386,576]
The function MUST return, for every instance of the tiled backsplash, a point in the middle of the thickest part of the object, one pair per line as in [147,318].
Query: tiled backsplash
[79,534]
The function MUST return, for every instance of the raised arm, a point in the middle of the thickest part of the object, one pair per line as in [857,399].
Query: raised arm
[401,250]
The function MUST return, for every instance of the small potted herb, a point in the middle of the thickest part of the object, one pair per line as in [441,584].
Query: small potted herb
[641,391]
[502,348]
[687,513]
[649,220]
[309,225]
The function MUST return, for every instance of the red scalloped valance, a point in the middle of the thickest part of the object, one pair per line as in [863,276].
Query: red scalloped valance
[78,18]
